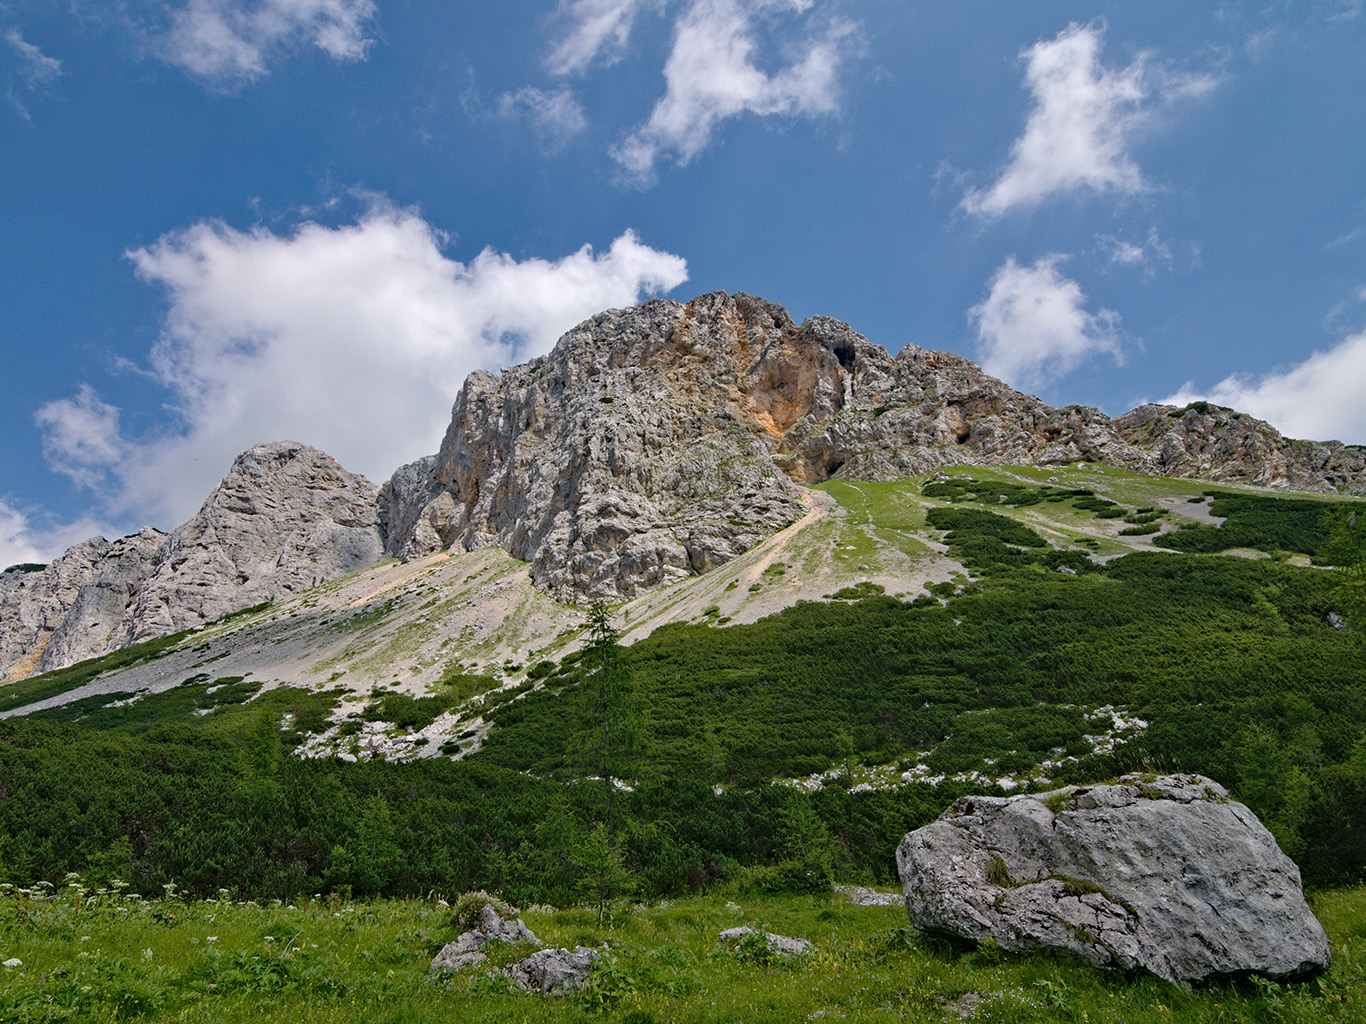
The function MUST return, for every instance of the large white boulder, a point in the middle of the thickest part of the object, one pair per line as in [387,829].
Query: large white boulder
[1162,874]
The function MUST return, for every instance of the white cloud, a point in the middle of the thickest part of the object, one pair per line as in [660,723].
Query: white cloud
[1033,326]
[30,536]
[17,544]
[35,71]
[1319,399]
[1126,254]
[81,437]
[555,117]
[599,29]
[711,76]
[354,339]
[228,43]
[1146,255]
[1078,133]
[36,67]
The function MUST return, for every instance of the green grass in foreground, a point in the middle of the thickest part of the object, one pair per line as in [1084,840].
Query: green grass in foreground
[98,956]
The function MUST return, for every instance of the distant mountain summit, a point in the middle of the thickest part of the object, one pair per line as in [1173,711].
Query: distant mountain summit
[651,444]
[285,518]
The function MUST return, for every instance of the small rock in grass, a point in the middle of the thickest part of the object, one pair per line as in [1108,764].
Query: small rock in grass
[779,944]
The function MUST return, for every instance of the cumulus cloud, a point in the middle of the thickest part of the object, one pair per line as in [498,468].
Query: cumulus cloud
[1033,326]
[711,76]
[354,339]
[26,537]
[555,117]
[598,31]
[1319,399]
[17,544]
[229,43]
[33,71]
[81,437]
[1077,135]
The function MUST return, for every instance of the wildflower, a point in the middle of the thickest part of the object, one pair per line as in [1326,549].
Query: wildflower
[147,954]
[211,938]
[13,962]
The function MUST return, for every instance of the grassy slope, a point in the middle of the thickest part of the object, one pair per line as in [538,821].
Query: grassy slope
[1229,661]
[333,961]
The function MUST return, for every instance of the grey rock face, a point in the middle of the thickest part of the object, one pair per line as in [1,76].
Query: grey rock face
[660,441]
[782,945]
[1166,875]
[1222,444]
[78,603]
[285,517]
[99,618]
[636,453]
[553,972]
[465,950]
[412,516]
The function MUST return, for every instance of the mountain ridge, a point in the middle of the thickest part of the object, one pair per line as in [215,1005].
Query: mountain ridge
[650,445]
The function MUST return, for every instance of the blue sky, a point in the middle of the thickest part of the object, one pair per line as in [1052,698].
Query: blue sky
[231,221]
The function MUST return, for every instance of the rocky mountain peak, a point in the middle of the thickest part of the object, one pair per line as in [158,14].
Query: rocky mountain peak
[657,441]
[286,516]
[1213,441]
[634,453]
[650,444]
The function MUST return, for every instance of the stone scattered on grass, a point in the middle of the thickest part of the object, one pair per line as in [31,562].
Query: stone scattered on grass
[553,972]
[781,945]
[865,897]
[493,927]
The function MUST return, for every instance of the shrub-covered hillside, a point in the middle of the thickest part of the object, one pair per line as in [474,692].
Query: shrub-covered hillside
[1038,665]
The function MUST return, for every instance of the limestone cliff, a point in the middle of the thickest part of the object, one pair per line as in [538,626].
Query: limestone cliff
[657,441]
[285,517]
[76,603]
[651,444]
[1222,444]
[637,452]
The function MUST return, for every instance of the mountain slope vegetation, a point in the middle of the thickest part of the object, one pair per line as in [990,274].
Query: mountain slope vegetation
[1040,644]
